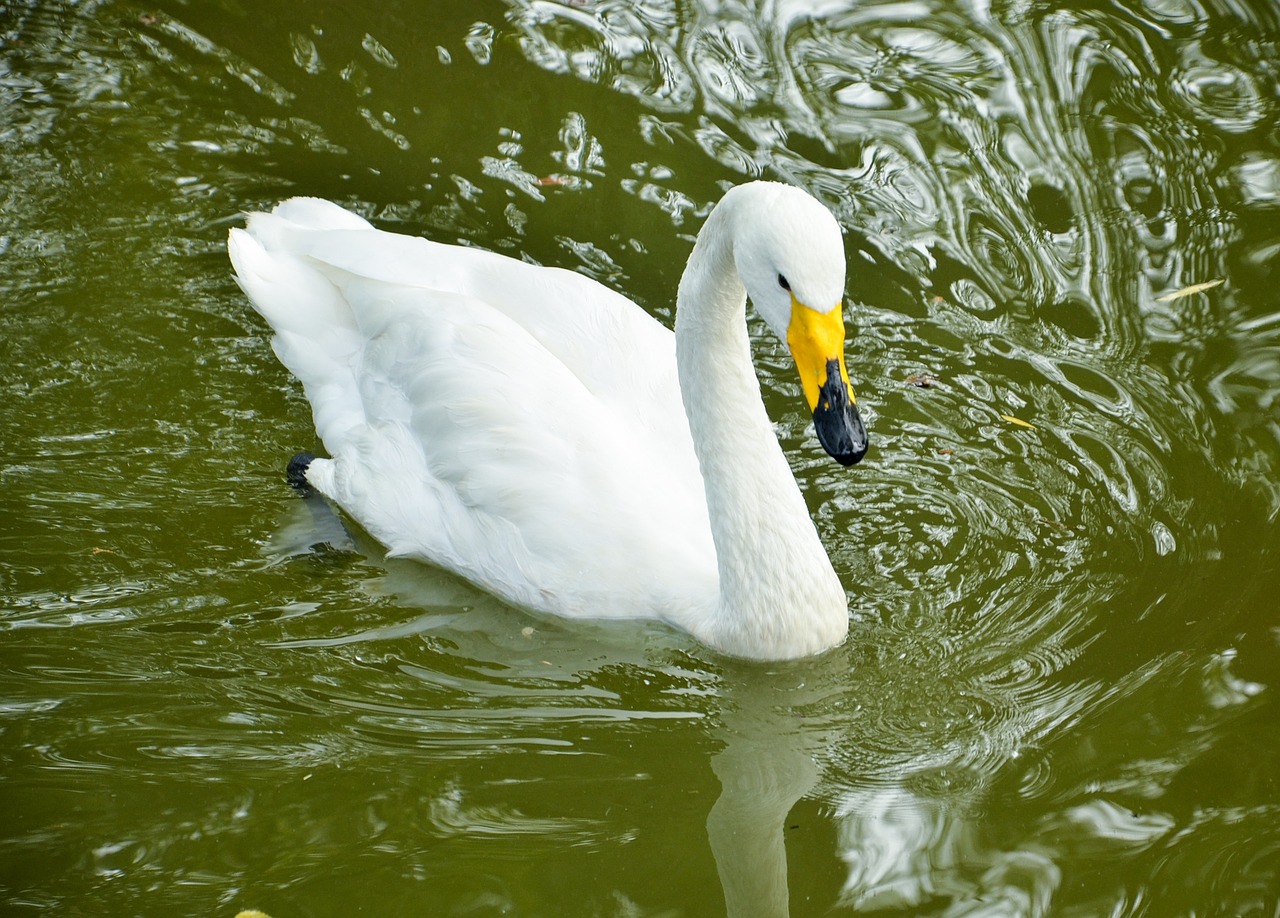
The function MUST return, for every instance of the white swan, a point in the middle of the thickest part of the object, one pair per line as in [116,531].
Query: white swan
[544,437]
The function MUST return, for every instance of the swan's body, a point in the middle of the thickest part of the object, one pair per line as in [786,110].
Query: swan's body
[525,426]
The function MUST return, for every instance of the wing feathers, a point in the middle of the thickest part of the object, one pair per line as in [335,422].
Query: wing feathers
[502,420]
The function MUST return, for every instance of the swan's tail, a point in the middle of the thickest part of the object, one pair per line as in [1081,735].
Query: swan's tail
[316,335]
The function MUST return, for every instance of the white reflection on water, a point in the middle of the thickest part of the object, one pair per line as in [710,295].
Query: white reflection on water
[903,852]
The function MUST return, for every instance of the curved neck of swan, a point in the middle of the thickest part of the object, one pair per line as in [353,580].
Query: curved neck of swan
[779,596]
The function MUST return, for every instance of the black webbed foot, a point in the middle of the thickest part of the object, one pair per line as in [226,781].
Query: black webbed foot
[296,474]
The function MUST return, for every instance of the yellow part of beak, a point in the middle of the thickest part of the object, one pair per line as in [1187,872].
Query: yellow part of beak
[815,339]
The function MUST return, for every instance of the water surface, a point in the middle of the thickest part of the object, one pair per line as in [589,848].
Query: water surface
[1057,697]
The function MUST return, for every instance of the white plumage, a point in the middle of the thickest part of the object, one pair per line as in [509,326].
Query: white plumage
[524,426]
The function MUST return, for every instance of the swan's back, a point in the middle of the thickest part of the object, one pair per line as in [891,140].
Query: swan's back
[519,425]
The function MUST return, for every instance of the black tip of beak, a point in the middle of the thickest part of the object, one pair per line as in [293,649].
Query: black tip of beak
[837,422]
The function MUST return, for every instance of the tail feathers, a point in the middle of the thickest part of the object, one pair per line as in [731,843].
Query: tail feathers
[307,214]
[316,336]
[288,292]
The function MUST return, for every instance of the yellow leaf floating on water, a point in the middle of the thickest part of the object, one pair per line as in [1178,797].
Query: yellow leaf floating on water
[252,913]
[1021,423]
[1187,291]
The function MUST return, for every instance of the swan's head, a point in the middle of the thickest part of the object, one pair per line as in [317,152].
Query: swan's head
[790,255]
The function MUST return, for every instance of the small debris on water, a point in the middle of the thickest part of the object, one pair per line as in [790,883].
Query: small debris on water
[1021,423]
[921,380]
[1054,524]
[1188,291]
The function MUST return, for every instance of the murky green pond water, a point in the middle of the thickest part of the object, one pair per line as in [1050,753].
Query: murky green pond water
[1058,694]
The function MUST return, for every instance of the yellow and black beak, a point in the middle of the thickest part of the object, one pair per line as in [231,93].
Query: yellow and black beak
[816,340]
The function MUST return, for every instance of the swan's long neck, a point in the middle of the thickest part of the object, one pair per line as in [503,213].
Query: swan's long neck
[779,596]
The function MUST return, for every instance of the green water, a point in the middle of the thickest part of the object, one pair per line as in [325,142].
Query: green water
[1058,694]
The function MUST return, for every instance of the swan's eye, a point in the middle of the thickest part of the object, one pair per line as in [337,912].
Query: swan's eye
[783,283]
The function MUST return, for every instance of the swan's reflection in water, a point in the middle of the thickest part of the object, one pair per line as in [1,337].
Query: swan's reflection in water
[767,764]
[904,830]
[990,823]
[909,751]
